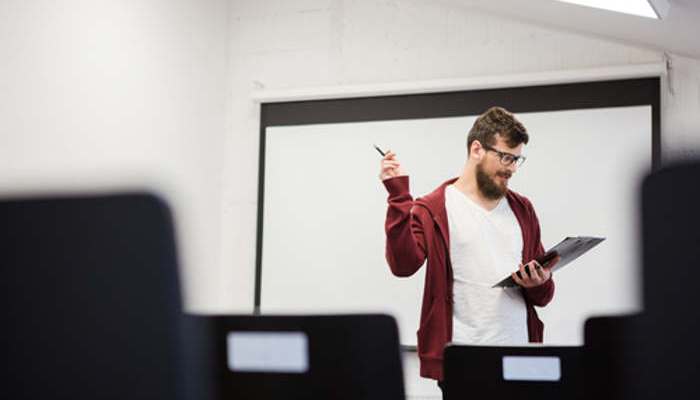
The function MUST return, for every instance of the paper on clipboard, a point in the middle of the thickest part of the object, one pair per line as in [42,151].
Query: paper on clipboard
[568,249]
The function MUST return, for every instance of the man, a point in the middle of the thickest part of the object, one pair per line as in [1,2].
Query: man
[473,231]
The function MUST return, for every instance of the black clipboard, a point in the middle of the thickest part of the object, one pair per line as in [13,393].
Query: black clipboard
[568,249]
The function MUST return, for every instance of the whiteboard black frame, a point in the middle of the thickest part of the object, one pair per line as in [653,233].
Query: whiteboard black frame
[557,97]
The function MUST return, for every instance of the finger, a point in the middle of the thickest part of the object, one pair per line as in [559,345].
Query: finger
[541,275]
[516,279]
[539,271]
[547,274]
[537,275]
[523,272]
[536,281]
[533,279]
[536,267]
[389,170]
[389,155]
[390,162]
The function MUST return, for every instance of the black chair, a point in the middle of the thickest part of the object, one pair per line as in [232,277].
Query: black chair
[532,372]
[325,357]
[668,338]
[91,302]
[611,367]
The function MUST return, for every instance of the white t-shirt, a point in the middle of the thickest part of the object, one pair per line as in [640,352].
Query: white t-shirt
[485,247]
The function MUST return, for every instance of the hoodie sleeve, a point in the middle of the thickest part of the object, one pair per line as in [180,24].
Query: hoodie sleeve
[405,239]
[539,295]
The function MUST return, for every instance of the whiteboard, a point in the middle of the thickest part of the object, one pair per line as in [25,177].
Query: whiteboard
[324,210]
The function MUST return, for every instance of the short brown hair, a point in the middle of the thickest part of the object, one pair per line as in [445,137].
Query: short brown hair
[497,120]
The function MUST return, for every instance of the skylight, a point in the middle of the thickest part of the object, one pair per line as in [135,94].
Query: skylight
[635,7]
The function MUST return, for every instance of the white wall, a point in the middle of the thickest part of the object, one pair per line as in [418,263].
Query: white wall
[102,94]
[284,45]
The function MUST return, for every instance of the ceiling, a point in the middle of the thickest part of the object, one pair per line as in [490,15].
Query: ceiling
[678,33]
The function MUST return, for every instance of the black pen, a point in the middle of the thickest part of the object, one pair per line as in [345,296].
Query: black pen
[379,150]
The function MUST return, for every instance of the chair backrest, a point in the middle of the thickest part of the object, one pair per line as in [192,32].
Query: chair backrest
[309,357]
[671,275]
[536,372]
[611,365]
[91,299]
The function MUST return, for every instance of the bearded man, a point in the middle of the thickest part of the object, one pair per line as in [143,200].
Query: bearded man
[472,230]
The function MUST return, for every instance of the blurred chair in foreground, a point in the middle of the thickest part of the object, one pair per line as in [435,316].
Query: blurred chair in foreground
[668,339]
[340,357]
[500,372]
[611,365]
[655,354]
[91,302]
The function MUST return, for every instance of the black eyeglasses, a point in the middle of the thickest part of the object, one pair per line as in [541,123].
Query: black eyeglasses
[507,159]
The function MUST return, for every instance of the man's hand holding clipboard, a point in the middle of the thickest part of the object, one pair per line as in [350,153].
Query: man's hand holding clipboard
[555,258]
[534,273]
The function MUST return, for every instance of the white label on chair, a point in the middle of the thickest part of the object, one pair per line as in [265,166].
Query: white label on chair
[275,352]
[531,368]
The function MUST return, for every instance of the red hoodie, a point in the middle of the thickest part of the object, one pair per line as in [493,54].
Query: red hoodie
[416,230]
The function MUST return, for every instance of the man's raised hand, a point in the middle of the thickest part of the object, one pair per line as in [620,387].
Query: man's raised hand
[390,167]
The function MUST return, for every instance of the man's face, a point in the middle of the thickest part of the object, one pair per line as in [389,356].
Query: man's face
[492,175]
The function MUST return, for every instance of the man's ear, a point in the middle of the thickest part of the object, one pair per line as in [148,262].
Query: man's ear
[476,150]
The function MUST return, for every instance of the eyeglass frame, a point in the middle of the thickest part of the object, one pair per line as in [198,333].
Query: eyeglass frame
[517,160]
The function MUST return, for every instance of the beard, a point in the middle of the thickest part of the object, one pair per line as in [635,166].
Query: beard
[488,186]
